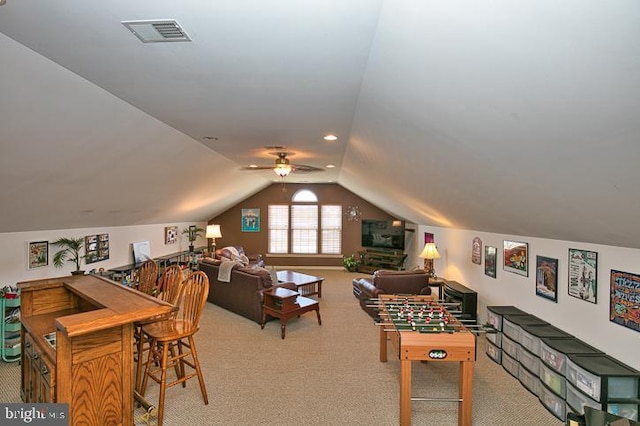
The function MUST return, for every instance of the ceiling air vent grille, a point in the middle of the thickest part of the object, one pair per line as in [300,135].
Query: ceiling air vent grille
[157,31]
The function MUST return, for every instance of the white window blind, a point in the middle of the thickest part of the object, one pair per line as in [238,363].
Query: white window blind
[304,229]
[331,225]
[278,228]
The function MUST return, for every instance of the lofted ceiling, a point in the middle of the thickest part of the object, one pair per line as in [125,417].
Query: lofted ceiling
[510,117]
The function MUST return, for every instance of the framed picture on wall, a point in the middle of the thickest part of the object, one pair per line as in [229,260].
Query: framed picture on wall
[38,254]
[516,257]
[490,257]
[428,237]
[583,275]
[547,278]
[170,234]
[625,294]
[250,220]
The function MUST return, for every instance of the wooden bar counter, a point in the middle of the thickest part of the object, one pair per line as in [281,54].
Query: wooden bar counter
[90,364]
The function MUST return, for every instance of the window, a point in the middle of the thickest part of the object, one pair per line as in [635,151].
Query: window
[304,227]
[278,228]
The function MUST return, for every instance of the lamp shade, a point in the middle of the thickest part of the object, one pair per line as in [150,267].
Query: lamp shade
[430,252]
[213,231]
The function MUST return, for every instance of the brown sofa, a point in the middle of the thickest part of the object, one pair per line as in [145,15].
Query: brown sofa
[243,294]
[389,282]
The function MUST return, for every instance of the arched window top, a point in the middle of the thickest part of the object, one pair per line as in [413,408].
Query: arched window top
[304,196]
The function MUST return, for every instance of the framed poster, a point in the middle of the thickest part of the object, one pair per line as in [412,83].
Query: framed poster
[516,257]
[170,234]
[250,220]
[624,307]
[547,278]
[476,251]
[38,254]
[428,238]
[490,257]
[583,275]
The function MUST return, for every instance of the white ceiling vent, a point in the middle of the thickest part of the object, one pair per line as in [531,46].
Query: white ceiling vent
[157,31]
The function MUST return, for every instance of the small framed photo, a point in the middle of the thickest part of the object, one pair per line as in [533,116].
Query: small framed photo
[250,220]
[490,257]
[583,275]
[38,254]
[516,257]
[547,278]
[170,234]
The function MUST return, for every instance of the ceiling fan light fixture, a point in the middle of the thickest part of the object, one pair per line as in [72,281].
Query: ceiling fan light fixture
[282,170]
[283,167]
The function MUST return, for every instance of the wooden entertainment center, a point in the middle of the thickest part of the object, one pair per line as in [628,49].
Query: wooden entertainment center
[77,335]
[372,259]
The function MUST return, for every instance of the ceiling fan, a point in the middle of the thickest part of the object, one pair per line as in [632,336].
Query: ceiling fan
[283,166]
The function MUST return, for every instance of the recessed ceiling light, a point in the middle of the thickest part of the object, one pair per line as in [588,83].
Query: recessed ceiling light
[330,166]
[330,138]
[253,166]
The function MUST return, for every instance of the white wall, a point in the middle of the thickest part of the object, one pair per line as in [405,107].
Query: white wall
[587,321]
[13,249]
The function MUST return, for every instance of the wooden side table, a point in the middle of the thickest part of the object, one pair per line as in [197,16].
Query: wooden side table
[283,303]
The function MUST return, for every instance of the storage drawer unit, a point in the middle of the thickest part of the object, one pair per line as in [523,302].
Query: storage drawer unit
[529,380]
[553,380]
[495,314]
[510,364]
[494,352]
[552,402]
[529,361]
[530,336]
[510,347]
[606,380]
[553,352]
[495,338]
[576,401]
[511,324]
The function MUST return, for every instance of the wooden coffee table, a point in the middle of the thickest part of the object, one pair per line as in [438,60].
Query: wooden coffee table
[307,285]
[283,303]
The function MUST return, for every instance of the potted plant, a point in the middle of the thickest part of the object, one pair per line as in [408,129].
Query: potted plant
[70,252]
[193,232]
[350,263]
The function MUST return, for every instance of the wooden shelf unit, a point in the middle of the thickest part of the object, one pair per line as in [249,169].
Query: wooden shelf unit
[372,259]
[91,365]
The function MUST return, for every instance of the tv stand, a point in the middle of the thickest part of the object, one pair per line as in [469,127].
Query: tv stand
[372,259]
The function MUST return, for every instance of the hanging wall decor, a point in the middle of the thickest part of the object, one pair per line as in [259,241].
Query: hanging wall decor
[516,257]
[583,275]
[625,299]
[476,251]
[250,220]
[490,258]
[547,278]
[170,234]
[38,254]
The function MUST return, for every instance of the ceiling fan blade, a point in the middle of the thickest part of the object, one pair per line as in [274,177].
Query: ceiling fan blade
[258,168]
[303,168]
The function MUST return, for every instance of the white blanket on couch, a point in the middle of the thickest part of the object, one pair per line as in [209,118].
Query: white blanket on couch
[226,266]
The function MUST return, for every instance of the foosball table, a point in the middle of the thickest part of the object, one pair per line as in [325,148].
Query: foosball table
[424,330]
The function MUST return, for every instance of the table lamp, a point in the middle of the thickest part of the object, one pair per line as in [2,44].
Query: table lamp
[213,232]
[429,253]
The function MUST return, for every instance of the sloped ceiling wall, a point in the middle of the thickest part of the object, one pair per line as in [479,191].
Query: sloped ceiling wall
[510,117]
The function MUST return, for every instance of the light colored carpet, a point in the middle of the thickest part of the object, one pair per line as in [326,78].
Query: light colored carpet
[322,375]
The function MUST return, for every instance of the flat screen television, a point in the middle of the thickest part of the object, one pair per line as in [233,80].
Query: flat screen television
[383,234]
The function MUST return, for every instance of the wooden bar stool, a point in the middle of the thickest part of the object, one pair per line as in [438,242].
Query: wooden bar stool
[168,289]
[147,277]
[165,336]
